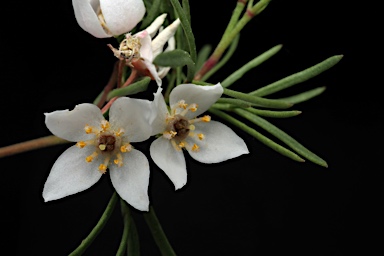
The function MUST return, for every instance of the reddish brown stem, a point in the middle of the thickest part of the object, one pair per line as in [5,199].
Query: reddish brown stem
[120,72]
[30,145]
[111,83]
[208,65]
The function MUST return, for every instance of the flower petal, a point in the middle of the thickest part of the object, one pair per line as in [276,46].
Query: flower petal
[71,174]
[204,96]
[132,179]
[163,71]
[156,24]
[85,14]
[171,161]
[159,112]
[220,143]
[160,40]
[132,115]
[121,16]
[70,125]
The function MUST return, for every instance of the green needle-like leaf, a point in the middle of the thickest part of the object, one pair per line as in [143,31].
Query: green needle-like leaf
[274,114]
[174,59]
[297,78]
[250,65]
[186,27]
[284,137]
[203,55]
[230,103]
[133,240]
[134,88]
[268,142]
[304,96]
[127,225]
[258,101]
[152,13]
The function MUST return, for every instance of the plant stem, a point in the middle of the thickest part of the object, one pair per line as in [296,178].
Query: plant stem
[99,226]
[30,145]
[158,233]
[127,226]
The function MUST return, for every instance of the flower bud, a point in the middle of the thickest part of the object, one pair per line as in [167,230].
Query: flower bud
[107,18]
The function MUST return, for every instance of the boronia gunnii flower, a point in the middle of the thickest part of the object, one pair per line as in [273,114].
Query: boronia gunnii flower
[101,144]
[205,140]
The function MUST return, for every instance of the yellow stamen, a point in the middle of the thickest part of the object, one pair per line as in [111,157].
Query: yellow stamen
[126,148]
[195,147]
[182,104]
[119,132]
[169,134]
[88,129]
[193,107]
[206,119]
[200,136]
[119,160]
[91,157]
[103,168]
[105,125]
[181,144]
[81,144]
[175,145]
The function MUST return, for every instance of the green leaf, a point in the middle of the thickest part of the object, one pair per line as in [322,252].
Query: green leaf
[258,101]
[250,65]
[186,27]
[284,137]
[174,59]
[152,13]
[297,78]
[230,103]
[266,141]
[274,114]
[134,88]
[203,55]
[127,226]
[304,96]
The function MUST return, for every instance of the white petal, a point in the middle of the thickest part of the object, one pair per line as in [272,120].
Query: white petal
[156,24]
[159,112]
[132,115]
[131,180]
[69,125]
[85,13]
[220,143]
[160,40]
[163,71]
[152,69]
[204,96]
[71,173]
[121,16]
[146,47]
[171,161]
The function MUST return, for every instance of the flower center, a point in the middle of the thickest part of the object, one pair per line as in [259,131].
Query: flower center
[180,125]
[106,143]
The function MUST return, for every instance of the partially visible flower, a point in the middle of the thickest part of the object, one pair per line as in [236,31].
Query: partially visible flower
[101,144]
[140,50]
[107,18]
[205,140]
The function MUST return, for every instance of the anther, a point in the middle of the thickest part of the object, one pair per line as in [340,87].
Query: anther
[182,104]
[105,125]
[119,132]
[88,129]
[200,136]
[126,148]
[81,144]
[91,157]
[195,147]
[206,119]
[103,168]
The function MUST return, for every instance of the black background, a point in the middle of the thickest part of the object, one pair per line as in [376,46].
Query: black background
[257,204]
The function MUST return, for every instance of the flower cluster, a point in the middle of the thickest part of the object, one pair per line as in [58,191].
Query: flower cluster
[103,144]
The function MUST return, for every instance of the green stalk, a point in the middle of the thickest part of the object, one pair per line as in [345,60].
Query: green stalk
[99,226]
[158,233]
[126,219]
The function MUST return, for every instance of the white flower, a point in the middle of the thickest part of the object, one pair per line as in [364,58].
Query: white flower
[106,18]
[101,144]
[205,140]
[140,50]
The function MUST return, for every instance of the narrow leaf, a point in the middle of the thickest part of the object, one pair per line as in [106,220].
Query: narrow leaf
[186,27]
[268,142]
[284,137]
[274,114]
[297,78]
[230,103]
[250,65]
[261,102]
[203,55]
[134,88]
[152,13]
[174,59]
[304,96]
